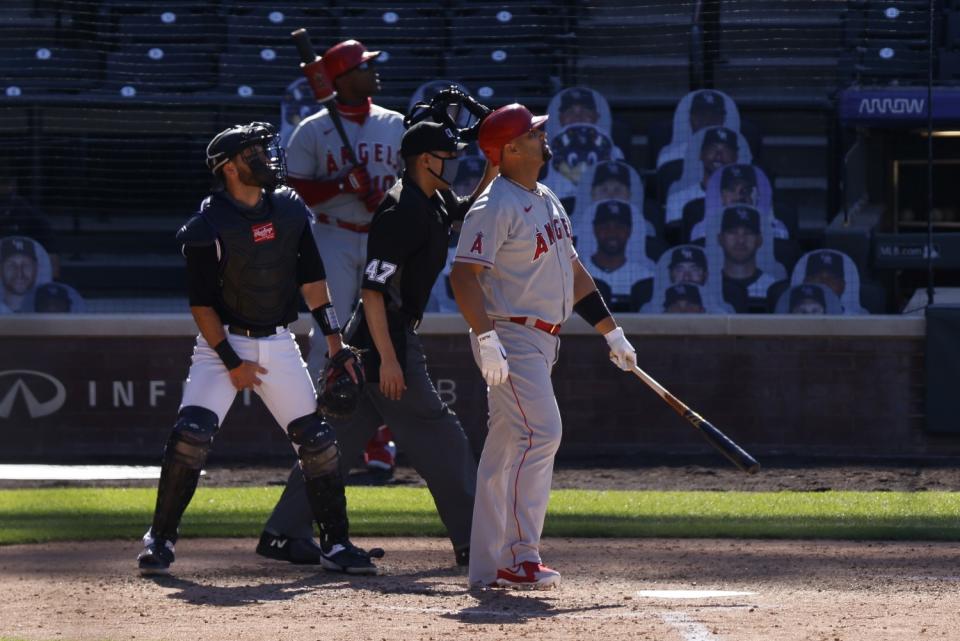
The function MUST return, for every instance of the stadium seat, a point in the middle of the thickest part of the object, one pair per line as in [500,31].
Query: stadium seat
[167,25]
[22,24]
[377,27]
[267,25]
[889,19]
[254,71]
[137,69]
[403,68]
[501,74]
[492,25]
[48,69]
[898,61]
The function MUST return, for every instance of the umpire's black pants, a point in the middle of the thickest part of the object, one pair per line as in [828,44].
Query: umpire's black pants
[430,435]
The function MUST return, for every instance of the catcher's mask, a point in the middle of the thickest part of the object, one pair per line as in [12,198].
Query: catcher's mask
[447,107]
[269,168]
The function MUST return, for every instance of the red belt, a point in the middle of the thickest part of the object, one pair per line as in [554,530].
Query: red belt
[543,326]
[342,224]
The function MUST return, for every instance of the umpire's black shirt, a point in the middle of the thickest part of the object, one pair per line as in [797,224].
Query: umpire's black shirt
[406,251]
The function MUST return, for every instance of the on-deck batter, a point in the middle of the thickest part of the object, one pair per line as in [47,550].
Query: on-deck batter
[343,197]
[516,277]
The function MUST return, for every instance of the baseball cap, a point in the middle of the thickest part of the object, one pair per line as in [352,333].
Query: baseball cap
[737,173]
[802,293]
[52,297]
[682,291]
[708,101]
[740,216]
[721,136]
[344,56]
[612,170]
[577,96]
[17,245]
[688,255]
[503,125]
[825,261]
[611,210]
[429,136]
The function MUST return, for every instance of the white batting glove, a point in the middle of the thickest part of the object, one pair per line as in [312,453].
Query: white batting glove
[621,351]
[493,358]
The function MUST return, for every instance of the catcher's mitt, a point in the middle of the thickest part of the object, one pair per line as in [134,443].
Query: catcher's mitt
[445,107]
[337,393]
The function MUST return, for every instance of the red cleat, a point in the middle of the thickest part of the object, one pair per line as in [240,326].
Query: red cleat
[528,576]
[381,452]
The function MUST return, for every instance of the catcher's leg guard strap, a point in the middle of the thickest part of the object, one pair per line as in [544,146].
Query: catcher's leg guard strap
[320,460]
[186,451]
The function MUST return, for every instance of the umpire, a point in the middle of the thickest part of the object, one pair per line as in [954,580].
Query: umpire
[406,251]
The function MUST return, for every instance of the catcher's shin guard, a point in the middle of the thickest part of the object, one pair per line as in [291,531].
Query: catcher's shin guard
[320,461]
[183,459]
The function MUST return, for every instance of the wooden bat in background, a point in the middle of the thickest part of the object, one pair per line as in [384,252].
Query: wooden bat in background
[312,67]
[737,455]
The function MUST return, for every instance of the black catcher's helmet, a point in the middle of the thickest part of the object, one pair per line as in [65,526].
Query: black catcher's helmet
[234,140]
[448,107]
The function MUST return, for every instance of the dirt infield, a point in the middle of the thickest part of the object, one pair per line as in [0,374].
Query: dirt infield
[816,591]
[797,590]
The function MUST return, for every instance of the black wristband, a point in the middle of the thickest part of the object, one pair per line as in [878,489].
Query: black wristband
[229,357]
[326,317]
[592,308]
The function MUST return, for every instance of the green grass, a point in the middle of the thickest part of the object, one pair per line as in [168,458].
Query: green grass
[98,513]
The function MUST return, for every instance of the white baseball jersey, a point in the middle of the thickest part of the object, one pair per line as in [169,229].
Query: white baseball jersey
[526,240]
[316,152]
[622,280]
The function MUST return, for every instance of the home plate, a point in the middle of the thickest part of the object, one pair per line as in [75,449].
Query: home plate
[690,594]
[77,472]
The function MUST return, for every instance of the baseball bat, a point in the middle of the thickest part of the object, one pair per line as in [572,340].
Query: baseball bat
[737,455]
[312,67]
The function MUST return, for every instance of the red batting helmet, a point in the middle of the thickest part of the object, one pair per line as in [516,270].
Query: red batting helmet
[342,57]
[502,126]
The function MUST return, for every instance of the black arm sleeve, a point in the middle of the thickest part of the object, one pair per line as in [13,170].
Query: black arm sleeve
[309,264]
[202,274]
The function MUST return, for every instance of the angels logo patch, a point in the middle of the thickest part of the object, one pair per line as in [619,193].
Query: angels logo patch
[477,247]
[263,232]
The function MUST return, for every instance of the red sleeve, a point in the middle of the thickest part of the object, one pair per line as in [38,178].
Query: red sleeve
[315,191]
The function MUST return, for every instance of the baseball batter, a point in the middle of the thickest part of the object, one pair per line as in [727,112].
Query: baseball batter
[249,258]
[343,197]
[516,278]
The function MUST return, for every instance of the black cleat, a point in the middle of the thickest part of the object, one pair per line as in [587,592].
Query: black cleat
[300,551]
[348,558]
[156,557]
[463,556]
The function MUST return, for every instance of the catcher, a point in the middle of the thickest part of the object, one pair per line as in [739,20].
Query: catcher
[250,256]
[406,251]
